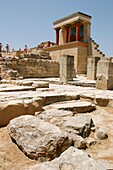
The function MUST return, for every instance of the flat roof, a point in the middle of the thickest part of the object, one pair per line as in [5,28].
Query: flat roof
[72,17]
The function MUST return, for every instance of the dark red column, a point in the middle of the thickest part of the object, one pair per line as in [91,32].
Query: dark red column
[57,36]
[77,31]
[67,34]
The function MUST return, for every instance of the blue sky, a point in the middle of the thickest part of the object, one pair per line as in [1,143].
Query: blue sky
[30,21]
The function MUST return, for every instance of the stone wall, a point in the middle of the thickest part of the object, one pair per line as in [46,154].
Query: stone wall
[28,68]
[76,49]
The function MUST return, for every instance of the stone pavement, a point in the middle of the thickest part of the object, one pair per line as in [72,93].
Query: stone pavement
[35,92]
[20,98]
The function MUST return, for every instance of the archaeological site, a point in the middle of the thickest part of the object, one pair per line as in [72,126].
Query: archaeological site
[56,105]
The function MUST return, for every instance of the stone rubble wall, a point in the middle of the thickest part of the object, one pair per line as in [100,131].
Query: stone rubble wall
[28,68]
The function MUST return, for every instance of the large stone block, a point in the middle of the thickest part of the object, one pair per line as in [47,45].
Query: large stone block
[72,159]
[104,75]
[66,68]
[15,108]
[80,124]
[38,139]
[92,67]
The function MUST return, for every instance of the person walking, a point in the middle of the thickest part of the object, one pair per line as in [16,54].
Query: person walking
[7,48]
[25,49]
[0,49]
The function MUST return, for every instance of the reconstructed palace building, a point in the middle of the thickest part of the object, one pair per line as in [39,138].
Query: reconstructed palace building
[73,38]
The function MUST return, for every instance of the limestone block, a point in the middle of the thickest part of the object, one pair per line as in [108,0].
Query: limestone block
[92,67]
[102,101]
[78,141]
[38,139]
[54,116]
[40,84]
[104,75]
[90,141]
[103,83]
[72,159]
[66,68]
[75,106]
[99,100]
[56,97]
[100,134]
[15,108]
[80,123]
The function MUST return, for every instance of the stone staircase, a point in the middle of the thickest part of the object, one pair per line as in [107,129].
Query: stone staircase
[93,49]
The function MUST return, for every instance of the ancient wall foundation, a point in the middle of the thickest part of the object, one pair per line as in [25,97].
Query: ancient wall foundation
[28,68]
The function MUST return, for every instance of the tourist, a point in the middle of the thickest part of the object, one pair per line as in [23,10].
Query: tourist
[25,49]
[0,50]
[0,47]
[7,48]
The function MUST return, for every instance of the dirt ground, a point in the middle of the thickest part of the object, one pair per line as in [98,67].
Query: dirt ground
[11,157]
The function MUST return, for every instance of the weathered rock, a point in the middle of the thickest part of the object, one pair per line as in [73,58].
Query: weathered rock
[99,99]
[78,141]
[25,83]
[38,139]
[40,84]
[56,97]
[100,134]
[72,159]
[75,106]
[35,84]
[15,108]
[102,101]
[57,117]
[93,129]
[8,73]
[90,141]
[104,75]
[81,123]
[54,116]
[110,102]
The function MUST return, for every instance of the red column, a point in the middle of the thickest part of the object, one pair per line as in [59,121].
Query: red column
[67,34]
[77,31]
[57,36]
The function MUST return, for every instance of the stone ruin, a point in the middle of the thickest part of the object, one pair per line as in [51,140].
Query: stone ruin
[52,60]
[50,120]
[31,65]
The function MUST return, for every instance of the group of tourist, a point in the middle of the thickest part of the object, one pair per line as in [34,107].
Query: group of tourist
[7,48]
